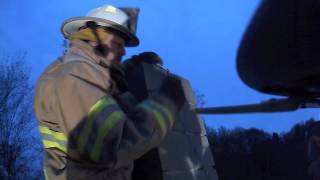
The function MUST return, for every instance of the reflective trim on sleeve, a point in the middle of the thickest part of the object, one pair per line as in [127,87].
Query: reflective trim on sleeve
[165,110]
[157,114]
[111,121]
[102,117]
[53,139]
[51,144]
[94,110]
[45,174]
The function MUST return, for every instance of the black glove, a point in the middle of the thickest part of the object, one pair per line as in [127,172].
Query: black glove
[172,88]
[146,57]
[118,75]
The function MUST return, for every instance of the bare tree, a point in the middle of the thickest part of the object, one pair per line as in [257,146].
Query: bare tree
[18,145]
[200,98]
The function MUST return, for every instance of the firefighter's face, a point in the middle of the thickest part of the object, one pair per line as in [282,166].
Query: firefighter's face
[113,48]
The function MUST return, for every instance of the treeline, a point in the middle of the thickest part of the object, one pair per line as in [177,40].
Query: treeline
[20,147]
[253,154]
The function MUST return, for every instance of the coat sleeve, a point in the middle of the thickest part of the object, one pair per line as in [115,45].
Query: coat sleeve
[100,132]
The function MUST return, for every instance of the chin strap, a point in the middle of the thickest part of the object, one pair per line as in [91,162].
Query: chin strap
[93,26]
[116,71]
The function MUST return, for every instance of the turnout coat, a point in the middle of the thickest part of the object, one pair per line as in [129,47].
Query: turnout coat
[89,129]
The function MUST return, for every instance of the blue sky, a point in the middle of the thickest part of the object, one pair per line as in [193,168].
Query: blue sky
[196,39]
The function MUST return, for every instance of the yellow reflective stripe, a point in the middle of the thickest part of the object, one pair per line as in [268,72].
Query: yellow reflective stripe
[52,144]
[158,117]
[45,174]
[165,110]
[57,135]
[161,122]
[53,139]
[94,110]
[107,125]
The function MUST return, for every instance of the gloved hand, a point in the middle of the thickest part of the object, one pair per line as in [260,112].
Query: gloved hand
[147,57]
[172,88]
[127,101]
[118,75]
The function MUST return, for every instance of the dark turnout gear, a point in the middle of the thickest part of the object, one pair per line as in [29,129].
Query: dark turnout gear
[186,141]
[117,73]
[145,57]
[86,131]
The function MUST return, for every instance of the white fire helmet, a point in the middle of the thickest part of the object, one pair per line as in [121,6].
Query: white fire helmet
[122,21]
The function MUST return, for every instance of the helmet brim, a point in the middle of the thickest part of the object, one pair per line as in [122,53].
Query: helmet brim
[72,25]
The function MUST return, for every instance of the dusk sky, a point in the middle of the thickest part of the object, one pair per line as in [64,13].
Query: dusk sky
[196,39]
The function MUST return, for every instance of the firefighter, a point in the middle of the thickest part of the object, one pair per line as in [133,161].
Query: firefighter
[80,98]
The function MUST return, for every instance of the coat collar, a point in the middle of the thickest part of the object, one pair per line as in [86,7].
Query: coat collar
[85,51]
